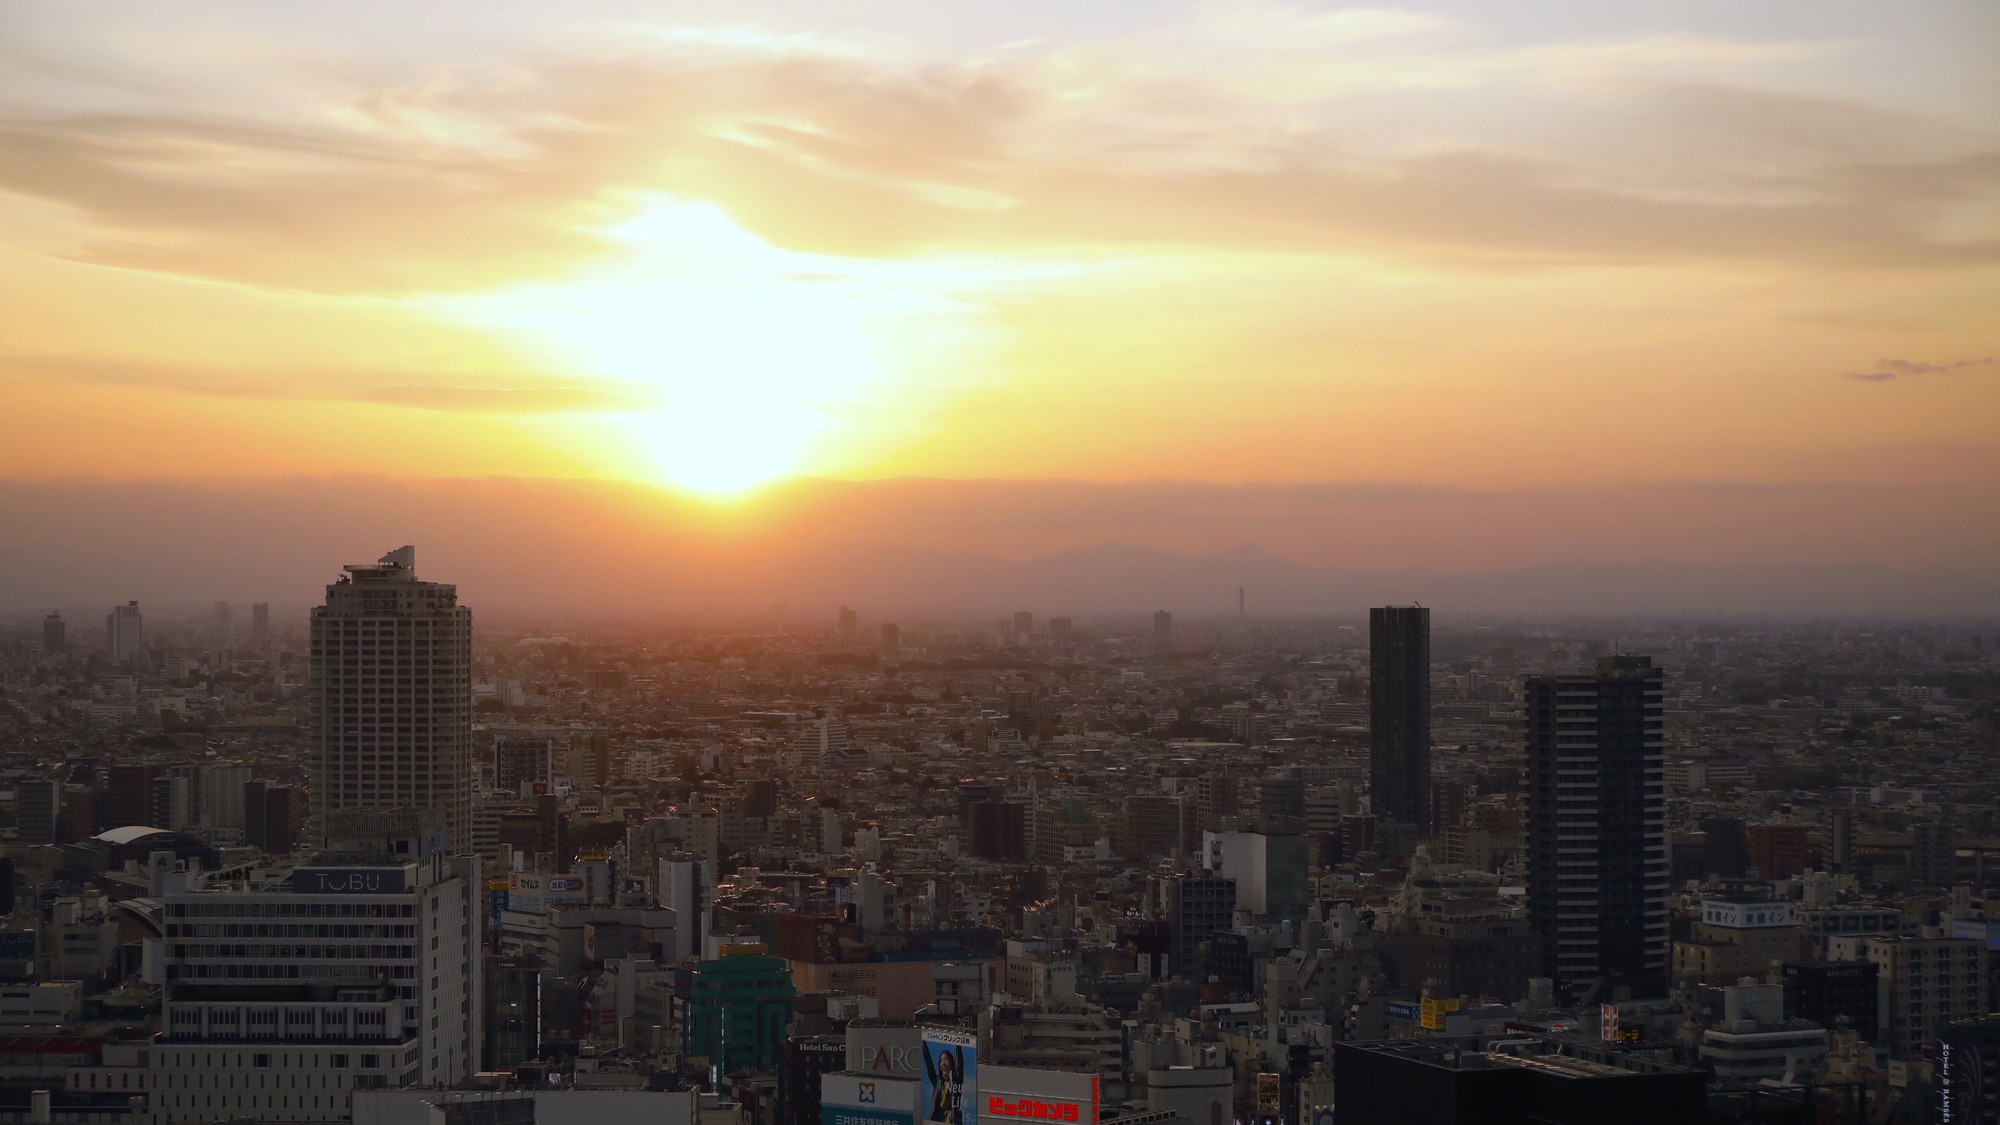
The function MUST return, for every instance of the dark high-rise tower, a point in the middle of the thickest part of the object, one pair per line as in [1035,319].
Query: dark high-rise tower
[1597,822]
[392,700]
[55,637]
[1399,714]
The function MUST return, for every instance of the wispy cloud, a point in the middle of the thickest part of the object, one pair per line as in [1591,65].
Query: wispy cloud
[1890,370]
[1238,130]
[384,388]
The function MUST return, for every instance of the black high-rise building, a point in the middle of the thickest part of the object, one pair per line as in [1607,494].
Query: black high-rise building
[1399,714]
[760,798]
[999,830]
[1726,845]
[1967,1088]
[55,636]
[1826,992]
[1597,830]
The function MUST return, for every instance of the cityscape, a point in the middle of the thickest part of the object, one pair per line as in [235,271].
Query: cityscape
[959,562]
[1401,866]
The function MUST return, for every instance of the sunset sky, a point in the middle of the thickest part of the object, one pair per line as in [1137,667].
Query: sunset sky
[719,246]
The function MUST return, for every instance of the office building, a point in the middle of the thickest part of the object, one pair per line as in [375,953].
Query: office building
[1755,1042]
[128,795]
[1268,868]
[1024,624]
[1196,908]
[1062,630]
[892,637]
[55,635]
[1399,714]
[392,699]
[520,762]
[1737,938]
[1163,625]
[1925,984]
[1833,994]
[1967,1089]
[850,622]
[1776,851]
[124,633]
[1933,854]
[760,798]
[1442,1082]
[260,626]
[1156,824]
[997,829]
[222,808]
[37,809]
[737,1009]
[1460,934]
[1725,847]
[363,970]
[270,816]
[1597,830]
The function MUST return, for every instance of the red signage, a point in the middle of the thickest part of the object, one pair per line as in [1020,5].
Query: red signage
[1035,1108]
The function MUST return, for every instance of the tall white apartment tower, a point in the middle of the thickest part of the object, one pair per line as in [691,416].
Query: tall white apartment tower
[392,702]
[124,632]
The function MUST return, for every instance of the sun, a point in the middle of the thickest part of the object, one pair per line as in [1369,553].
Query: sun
[751,446]
[733,353]
[739,363]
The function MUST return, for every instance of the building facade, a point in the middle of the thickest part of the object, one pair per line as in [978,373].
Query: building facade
[392,699]
[1399,714]
[1597,829]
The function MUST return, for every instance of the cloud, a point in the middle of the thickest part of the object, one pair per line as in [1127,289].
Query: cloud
[383,388]
[477,175]
[1890,370]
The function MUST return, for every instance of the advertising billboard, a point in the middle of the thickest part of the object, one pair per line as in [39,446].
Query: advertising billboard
[349,880]
[1435,1010]
[1269,1085]
[846,1098]
[534,893]
[951,1077]
[887,1051]
[1015,1095]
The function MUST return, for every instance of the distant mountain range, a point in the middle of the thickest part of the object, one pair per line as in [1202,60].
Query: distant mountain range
[1131,579]
[893,548]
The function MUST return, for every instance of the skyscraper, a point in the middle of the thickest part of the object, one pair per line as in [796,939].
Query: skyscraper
[850,622]
[260,625]
[55,635]
[1399,714]
[1597,827]
[124,632]
[392,699]
[225,623]
[1163,625]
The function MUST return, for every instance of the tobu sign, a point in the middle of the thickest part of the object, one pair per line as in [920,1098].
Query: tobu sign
[349,881]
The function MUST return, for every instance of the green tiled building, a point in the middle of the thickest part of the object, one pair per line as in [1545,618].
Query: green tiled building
[738,1010]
